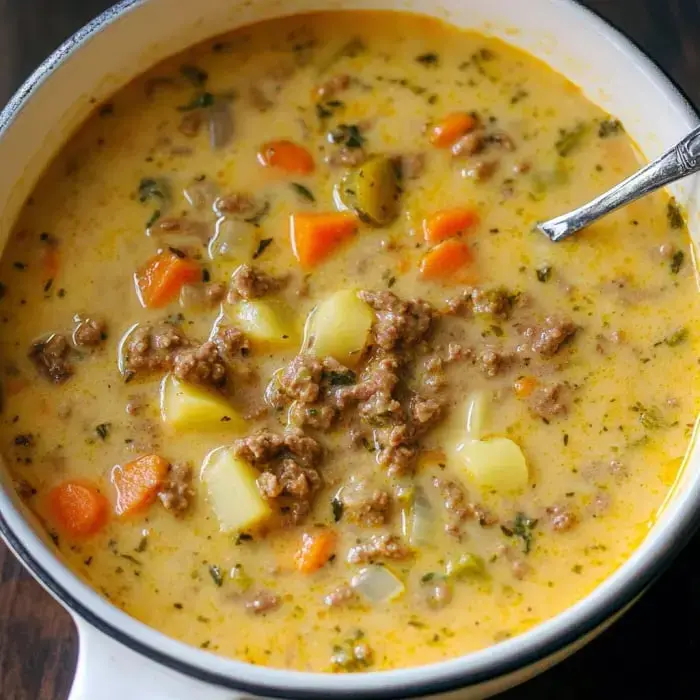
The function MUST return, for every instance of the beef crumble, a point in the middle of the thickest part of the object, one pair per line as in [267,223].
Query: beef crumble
[378,547]
[250,283]
[89,332]
[51,358]
[177,492]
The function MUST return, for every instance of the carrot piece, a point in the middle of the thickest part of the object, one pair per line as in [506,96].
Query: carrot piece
[137,483]
[445,259]
[524,386]
[287,156]
[315,236]
[315,550]
[77,508]
[449,222]
[162,277]
[51,261]
[447,131]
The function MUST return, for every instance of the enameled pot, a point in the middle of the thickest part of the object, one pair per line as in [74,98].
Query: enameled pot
[119,656]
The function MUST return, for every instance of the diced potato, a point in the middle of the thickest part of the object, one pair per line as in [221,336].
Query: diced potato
[339,327]
[497,464]
[233,491]
[373,191]
[233,241]
[265,322]
[478,406]
[187,406]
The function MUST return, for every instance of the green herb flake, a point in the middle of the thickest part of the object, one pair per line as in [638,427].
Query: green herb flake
[200,101]
[340,378]
[650,417]
[677,337]
[303,191]
[337,507]
[610,127]
[153,218]
[544,274]
[426,578]
[216,575]
[349,135]
[262,247]
[677,262]
[194,74]
[152,188]
[674,214]
[428,59]
[570,140]
[522,528]
[102,430]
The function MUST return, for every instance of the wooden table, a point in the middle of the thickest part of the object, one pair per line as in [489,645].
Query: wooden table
[654,649]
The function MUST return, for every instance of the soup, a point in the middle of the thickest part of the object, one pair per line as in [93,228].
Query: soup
[288,375]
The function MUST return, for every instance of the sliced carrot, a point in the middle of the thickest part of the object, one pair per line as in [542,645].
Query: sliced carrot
[77,508]
[287,156]
[138,482]
[454,125]
[524,386]
[315,236]
[449,222]
[162,277]
[445,259]
[51,261]
[315,550]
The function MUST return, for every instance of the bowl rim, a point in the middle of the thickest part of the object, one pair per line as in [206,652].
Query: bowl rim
[439,677]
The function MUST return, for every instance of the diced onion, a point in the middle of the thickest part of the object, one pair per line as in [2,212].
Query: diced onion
[377,584]
[234,240]
[477,414]
[422,520]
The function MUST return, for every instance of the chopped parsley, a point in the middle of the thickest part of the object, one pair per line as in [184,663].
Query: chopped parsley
[259,215]
[152,188]
[262,247]
[674,214]
[340,378]
[570,140]
[610,127]
[522,528]
[102,430]
[677,262]
[338,508]
[216,575]
[194,74]
[347,134]
[428,59]
[303,191]
[200,101]
[544,273]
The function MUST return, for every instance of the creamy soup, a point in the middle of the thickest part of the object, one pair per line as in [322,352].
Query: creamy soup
[288,375]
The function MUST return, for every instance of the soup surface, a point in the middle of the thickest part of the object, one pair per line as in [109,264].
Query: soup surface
[287,374]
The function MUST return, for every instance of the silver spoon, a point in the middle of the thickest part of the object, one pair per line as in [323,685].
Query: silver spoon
[681,160]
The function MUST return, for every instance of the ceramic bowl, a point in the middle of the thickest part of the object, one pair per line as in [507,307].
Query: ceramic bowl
[121,657]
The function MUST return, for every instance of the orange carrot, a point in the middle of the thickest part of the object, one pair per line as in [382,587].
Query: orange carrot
[287,156]
[315,550]
[161,279]
[315,236]
[454,125]
[52,261]
[137,483]
[524,386]
[77,508]
[445,259]
[448,222]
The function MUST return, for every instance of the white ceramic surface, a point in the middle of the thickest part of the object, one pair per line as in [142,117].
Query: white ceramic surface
[115,48]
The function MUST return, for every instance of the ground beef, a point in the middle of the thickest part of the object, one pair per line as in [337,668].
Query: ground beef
[469,144]
[493,302]
[374,390]
[151,348]
[177,493]
[481,170]
[51,358]
[289,479]
[250,283]
[397,453]
[89,332]
[548,401]
[411,165]
[236,203]
[548,340]
[364,504]
[492,361]
[345,157]
[425,413]
[332,86]
[400,324]
[561,518]
[317,417]
[343,595]
[260,448]
[301,379]
[230,342]
[262,602]
[214,292]
[379,547]
[459,508]
[201,364]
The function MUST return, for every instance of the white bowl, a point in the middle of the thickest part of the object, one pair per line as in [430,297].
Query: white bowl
[127,658]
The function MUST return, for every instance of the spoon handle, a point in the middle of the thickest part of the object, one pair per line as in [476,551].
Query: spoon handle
[681,160]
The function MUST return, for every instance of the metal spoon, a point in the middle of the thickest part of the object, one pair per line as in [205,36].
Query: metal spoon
[681,160]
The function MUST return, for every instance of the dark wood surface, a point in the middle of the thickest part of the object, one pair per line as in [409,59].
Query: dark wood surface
[653,650]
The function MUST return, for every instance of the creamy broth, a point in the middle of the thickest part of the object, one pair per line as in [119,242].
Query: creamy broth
[575,357]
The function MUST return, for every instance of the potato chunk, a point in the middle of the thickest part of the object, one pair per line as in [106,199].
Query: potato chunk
[186,406]
[265,322]
[497,464]
[339,327]
[233,492]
